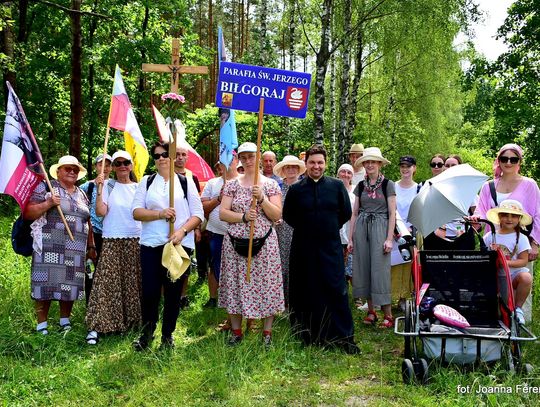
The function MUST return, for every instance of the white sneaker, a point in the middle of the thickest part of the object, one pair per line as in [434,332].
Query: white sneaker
[520,316]
[92,338]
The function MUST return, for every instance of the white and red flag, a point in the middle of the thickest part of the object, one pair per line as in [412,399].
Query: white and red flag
[121,117]
[20,161]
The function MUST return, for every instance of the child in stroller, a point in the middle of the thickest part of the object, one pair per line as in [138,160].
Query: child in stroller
[511,218]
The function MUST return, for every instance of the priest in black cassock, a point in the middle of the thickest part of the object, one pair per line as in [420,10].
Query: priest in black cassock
[317,207]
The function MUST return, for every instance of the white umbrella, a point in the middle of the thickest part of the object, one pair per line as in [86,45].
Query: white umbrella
[445,197]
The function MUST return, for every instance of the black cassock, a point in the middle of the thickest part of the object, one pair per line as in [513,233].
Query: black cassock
[318,292]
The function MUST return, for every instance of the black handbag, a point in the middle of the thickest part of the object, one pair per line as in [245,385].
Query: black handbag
[241,245]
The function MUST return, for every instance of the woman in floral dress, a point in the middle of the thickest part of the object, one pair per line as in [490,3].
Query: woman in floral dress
[262,296]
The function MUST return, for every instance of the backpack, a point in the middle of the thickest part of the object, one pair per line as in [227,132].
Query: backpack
[21,239]
[110,185]
[384,185]
[493,191]
[183,183]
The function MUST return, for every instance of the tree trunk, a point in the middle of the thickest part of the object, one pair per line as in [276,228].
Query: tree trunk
[358,71]
[22,36]
[9,50]
[292,27]
[343,133]
[76,89]
[93,116]
[320,74]
[140,96]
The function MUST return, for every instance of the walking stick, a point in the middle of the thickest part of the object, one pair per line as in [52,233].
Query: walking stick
[255,182]
[172,154]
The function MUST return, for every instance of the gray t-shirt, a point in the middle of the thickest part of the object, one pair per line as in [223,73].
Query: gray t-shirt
[377,204]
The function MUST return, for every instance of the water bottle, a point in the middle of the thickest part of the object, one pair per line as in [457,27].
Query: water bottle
[90,268]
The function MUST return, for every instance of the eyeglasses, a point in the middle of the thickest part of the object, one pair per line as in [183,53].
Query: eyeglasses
[74,170]
[504,159]
[438,165]
[122,163]
[157,156]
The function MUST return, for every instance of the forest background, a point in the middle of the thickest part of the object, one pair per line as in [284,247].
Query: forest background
[385,73]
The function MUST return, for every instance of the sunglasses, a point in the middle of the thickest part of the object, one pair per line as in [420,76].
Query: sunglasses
[504,159]
[74,170]
[438,165]
[122,163]
[157,156]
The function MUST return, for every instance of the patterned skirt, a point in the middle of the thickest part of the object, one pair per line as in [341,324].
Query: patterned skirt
[115,299]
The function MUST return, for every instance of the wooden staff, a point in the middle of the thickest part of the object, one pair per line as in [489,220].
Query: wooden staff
[172,155]
[64,220]
[255,182]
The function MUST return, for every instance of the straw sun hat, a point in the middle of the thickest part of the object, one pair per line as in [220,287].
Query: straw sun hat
[509,206]
[356,148]
[67,160]
[372,154]
[289,160]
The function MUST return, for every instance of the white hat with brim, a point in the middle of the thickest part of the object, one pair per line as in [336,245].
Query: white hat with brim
[289,160]
[122,154]
[509,206]
[67,160]
[372,154]
[247,148]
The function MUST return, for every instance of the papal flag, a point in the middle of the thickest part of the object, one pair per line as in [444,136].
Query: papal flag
[20,169]
[121,117]
[228,139]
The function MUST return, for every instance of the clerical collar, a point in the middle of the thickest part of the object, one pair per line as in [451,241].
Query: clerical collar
[316,180]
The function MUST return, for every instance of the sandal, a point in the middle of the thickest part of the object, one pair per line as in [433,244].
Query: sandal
[371,318]
[388,322]
[43,331]
[65,327]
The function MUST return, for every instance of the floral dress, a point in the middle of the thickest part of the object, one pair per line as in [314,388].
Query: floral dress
[262,296]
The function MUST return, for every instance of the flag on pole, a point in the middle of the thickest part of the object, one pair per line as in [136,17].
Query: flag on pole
[20,160]
[228,139]
[121,117]
[195,163]
[164,133]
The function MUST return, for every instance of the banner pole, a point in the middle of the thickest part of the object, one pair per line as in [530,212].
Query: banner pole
[64,220]
[172,175]
[255,182]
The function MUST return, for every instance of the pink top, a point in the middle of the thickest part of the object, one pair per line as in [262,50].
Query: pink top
[527,192]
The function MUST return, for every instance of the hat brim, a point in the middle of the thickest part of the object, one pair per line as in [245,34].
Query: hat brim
[371,158]
[493,216]
[54,170]
[278,168]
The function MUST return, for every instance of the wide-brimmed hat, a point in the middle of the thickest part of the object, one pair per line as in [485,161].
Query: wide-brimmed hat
[99,158]
[509,206]
[122,154]
[67,160]
[289,160]
[247,148]
[372,154]
[356,148]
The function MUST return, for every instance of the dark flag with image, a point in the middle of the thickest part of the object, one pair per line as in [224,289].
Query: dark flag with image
[20,170]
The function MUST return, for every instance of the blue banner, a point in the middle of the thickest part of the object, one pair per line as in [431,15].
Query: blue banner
[285,93]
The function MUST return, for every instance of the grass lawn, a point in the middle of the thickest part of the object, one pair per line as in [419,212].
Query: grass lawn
[202,370]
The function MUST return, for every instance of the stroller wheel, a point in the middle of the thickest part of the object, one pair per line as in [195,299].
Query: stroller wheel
[422,371]
[407,371]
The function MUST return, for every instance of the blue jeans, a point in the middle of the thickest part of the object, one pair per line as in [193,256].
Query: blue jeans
[216,243]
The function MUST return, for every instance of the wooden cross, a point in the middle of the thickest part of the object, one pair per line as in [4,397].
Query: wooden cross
[175,69]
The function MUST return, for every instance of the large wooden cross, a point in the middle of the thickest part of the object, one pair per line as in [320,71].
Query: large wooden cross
[175,69]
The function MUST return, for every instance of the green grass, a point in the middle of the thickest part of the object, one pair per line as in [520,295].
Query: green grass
[62,370]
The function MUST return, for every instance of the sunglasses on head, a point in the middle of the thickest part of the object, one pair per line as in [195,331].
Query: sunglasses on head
[122,163]
[438,165]
[504,159]
[157,156]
